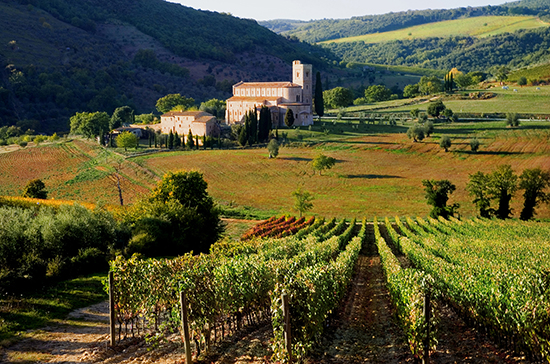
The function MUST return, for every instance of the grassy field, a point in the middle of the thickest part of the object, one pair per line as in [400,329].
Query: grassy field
[375,174]
[531,100]
[483,26]
[532,73]
[72,170]
[379,171]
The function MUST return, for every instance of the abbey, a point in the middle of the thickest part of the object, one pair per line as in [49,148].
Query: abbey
[277,96]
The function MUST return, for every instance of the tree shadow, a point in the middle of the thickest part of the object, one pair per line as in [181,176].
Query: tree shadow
[296,159]
[481,152]
[369,176]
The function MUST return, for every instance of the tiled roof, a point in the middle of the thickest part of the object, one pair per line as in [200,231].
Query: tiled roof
[255,98]
[204,119]
[268,84]
[196,114]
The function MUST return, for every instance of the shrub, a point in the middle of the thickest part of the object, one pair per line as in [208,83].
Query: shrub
[474,145]
[512,119]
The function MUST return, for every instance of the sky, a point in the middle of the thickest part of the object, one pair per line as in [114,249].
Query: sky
[320,9]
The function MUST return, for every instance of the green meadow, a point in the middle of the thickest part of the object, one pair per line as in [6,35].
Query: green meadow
[483,26]
[533,100]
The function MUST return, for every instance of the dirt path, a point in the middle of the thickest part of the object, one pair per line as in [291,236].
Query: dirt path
[85,330]
[364,330]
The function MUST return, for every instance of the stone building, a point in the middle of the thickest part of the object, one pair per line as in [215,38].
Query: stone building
[199,122]
[277,96]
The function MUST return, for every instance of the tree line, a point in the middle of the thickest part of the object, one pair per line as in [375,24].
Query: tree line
[42,243]
[493,192]
[327,29]
[465,53]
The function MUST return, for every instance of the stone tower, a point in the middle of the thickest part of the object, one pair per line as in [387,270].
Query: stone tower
[302,74]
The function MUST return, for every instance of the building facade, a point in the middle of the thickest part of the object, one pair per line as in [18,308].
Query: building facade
[277,96]
[199,122]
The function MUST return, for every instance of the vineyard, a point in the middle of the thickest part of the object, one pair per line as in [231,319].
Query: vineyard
[494,274]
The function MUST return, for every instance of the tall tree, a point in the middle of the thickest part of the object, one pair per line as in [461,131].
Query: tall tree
[89,124]
[445,143]
[318,100]
[302,201]
[437,194]
[171,101]
[430,85]
[322,162]
[177,140]
[289,118]
[122,115]
[502,185]
[534,182]
[190,142]
[478,187]
[35,189]
[215,107]
[127,140]
[377,93]
[252,122]
[171,140]
[264,124]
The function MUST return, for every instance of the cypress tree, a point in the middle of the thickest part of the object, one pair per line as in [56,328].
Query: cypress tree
[190,142]
[171,140]
[319,103]
[177,140]
[252,131]
[243,137]
[289,118]
[197,142]
[264,125]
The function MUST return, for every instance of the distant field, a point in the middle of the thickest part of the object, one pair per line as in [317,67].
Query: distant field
[531,73]
[375,174]
[526,100]
[379,171]
[484,26]
[72,170]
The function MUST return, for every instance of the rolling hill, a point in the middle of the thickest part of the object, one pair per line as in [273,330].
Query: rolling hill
[62,57]
[479,27]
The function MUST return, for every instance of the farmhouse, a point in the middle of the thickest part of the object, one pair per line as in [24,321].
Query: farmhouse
[199,122]
[277,96]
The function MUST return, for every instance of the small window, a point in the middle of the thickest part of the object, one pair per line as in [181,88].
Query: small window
[307,74]
[297,98]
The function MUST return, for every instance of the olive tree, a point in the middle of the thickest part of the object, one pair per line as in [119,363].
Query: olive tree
[322,162]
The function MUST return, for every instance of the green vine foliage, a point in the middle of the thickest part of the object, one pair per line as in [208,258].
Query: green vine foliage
[237,280]
[495,273]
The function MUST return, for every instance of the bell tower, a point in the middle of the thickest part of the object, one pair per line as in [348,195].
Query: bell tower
[302,74]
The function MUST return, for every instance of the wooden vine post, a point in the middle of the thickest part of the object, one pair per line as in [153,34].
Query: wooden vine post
[112,329]
[427,311]
[287,337]
[185,324]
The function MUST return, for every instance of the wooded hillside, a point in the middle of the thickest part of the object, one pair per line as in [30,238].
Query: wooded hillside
[60,57]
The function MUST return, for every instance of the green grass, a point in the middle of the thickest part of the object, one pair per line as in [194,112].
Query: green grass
[532,73]
[528,100]
[24,312]
[484,26]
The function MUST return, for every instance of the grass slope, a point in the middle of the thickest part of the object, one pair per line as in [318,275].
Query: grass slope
[483,26]
[379,171]
[531,100]
[73,170]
